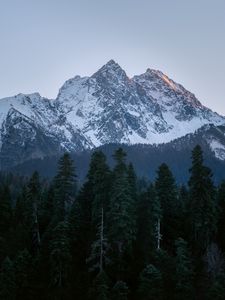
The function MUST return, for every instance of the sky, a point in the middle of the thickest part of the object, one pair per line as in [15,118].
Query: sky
[45,42]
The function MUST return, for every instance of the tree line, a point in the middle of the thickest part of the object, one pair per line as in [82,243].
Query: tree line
[116,237]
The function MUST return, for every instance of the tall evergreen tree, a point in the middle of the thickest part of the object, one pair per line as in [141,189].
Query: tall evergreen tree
[150,284]
[33,198]
[166,192]
[202,206]
[23,221]
[101,286]
[148,214]
[121,215]
[60,259]
[120,291]
[65,187]
[23,268]
[184,271]
[7,280]
[99,180]
[221,216]
[5,211]
[132,180]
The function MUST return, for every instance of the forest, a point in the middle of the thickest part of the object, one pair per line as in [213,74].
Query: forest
[115,237]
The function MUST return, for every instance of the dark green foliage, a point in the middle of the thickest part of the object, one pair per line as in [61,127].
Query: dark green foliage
[60,256]
[118,237]
[7,280]
[166,264]
[202,206]
[64,186]
[148,214]
[101,286]
[99,180]
[121,216]
[221,217]
[23,268]
[120,291]
[5,211]
[166,193]
[184,271]
[150,284]
[217,288]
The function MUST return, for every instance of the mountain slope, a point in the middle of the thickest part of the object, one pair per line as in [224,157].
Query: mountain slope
[147,158]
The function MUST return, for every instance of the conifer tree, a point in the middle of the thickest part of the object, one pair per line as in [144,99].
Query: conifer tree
[120,291]
[5,211]
[23,268]
[166,193]
[101,286]
[33,198]
[65,187]
[98,257]
[60,258]
[148,214]
[132,179]
[184,271]
[7,280]
[221,216]
[99,180]
[23,221]
[150,284]
[121,215]
[46,209]
[165,263]
[202,206]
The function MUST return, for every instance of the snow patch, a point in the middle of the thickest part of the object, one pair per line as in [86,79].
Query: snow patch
[218,149]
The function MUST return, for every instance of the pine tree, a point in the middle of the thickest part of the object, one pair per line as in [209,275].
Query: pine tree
[132,179]
[23,221]
[101,286]
[99,180]
[184,271]
[46,209]
[215,263]
[5,211]
[221,216]
[65,187]
[121,216]
[98,257]
[60,258]
[7,280]
[165,263]
[182,225]
[202,206]
[120,291]
[150,284]
[166,192]
[23,268]
[148,215]
[122,208]
[33,198]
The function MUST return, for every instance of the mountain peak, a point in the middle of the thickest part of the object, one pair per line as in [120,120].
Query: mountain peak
[111,69]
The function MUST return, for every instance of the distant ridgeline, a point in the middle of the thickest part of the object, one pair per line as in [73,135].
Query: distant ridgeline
[116,236]
[145,158]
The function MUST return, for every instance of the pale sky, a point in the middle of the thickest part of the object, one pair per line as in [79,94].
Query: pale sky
[45,42]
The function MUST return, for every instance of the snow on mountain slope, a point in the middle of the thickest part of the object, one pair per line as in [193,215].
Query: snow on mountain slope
[150,108]
[107,107]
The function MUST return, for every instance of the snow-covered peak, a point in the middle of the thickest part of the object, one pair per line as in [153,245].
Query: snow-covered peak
[111,71]
[107,107]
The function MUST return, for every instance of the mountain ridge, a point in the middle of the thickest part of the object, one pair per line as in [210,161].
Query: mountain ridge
[107,107]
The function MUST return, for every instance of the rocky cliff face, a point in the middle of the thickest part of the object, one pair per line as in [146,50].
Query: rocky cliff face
[108,107]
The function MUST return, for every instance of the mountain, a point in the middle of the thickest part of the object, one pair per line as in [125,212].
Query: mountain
[147,158]
[107,107]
